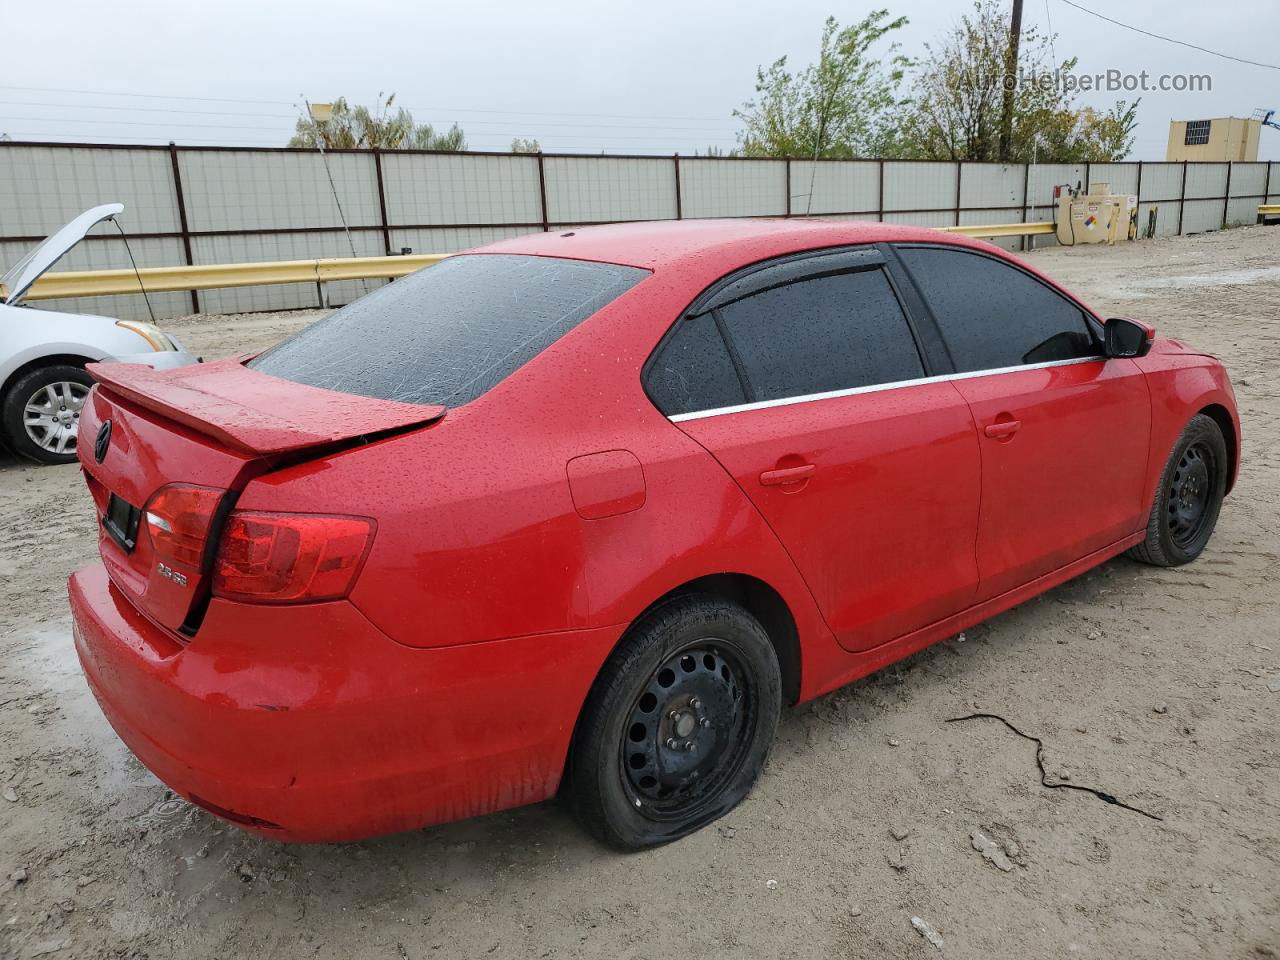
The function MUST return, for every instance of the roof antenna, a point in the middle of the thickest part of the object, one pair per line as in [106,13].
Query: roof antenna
[136,272]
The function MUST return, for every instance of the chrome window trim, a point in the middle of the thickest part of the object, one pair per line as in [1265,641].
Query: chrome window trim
[876,388]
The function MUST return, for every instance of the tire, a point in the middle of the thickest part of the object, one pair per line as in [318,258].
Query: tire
[697,670]
[1189,498]
[41,412]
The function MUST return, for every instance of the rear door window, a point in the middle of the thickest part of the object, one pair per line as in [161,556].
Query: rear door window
[993,315]
[692,370]
[448,333]
[822,334]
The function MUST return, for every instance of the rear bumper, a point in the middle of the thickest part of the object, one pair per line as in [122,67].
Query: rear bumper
[308,724]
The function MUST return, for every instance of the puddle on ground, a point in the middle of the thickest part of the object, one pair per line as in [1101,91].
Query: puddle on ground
[1141,286]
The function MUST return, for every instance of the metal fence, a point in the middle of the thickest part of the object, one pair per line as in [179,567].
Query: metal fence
[201,205]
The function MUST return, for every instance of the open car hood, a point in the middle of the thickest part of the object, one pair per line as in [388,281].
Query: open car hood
[15,283]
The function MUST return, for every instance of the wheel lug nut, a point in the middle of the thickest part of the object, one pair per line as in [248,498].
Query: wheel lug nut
[690,746]
[671,743]
[704,722]
[695,703]
[673,716]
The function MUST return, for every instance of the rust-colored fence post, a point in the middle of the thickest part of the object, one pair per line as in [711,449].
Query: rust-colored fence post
[382,200]
[880,192]
[1182,198]
[182,217]
[1226,201]
[542,192]
[675,160]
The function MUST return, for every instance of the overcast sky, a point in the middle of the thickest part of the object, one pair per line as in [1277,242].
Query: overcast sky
[639,77]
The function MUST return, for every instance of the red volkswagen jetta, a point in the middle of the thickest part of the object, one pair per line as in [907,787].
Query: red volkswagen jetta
[588,508]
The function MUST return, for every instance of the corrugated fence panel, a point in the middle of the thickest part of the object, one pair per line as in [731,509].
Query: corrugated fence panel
[970,218]
[1273,183]
[110,254]
[1206,180]
[1249,180]
[920,186]
[1161,181]
[712,187]
[451,240]
[834,186]
[243,190]
[1123,177]
[1202,215]
[606,188]
[288,246]
[41,188]
[992,185]
[1166,218]
[927,218]
[461,189]
[1242,210]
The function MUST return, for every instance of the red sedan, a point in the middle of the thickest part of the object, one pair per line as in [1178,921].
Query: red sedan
[583,510]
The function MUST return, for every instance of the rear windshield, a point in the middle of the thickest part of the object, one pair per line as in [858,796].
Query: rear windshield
[448,333]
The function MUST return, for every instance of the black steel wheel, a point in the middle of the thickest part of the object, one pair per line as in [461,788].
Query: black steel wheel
[677,726]
[1189,497]
[1190,492]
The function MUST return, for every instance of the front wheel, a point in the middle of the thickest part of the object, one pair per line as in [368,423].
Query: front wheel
[1189,498]
[41,412]
[677,726]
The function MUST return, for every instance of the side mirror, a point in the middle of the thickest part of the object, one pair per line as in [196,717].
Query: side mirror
[1127,338]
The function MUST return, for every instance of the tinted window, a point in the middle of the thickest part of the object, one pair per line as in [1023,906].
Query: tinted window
[448,333]
[828,333]
[993,315]
[692,370]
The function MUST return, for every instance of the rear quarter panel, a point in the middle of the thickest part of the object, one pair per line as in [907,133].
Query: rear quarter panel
[478,535]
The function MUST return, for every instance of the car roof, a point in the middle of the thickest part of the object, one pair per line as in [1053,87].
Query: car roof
[657,244]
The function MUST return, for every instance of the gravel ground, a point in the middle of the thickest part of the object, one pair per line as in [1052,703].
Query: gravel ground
[1150,684]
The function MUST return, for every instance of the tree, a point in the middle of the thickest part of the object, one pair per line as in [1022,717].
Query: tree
[525,145]
[359,128]
[958,93]
[845,105]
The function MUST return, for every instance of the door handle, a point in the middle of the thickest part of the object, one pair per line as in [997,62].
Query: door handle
[1003,429]
[773,478]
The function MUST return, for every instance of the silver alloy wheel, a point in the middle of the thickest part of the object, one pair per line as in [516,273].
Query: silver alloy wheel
[52,415]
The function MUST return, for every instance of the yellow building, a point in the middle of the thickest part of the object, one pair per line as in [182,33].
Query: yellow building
[1216,140]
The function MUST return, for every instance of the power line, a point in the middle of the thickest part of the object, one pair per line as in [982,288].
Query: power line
[1181,43]
[285,116]
[152,96]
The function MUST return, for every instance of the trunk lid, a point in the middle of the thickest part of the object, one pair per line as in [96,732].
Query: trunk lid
[209,427]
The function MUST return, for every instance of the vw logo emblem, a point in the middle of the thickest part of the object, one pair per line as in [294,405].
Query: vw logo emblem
[102,441]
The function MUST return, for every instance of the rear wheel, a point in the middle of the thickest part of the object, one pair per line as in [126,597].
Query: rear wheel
[41,412]
[678,725]
[1187,503]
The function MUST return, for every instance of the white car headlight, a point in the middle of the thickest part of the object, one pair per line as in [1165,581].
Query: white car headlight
[156,338]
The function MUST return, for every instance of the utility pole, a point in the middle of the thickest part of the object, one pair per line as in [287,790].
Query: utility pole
[1010,81]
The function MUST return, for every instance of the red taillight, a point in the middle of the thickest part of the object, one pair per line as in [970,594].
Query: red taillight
[289,557]
[178,518]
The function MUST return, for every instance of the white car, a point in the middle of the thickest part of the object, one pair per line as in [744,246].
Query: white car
[43,383]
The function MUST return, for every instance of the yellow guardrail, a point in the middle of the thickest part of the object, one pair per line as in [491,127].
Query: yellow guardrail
[1039,228]
[1268,210]
[101,283]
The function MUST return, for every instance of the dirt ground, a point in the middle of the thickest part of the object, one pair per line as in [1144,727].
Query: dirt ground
[1159,686]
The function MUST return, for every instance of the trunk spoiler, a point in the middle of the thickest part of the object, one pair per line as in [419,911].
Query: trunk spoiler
[253,412]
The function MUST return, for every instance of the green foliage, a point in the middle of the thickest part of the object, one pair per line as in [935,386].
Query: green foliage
[525,145]
[359,128]
[958,93]
[845,105]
